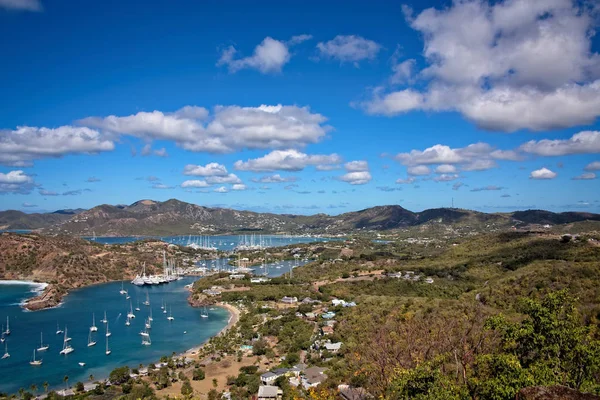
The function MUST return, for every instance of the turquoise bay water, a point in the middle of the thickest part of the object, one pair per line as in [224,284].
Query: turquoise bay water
[76,313]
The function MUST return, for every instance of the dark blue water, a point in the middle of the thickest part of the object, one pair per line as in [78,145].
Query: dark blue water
[225,243]
[76,313]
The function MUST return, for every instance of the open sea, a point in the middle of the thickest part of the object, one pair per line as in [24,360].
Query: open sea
[76,314]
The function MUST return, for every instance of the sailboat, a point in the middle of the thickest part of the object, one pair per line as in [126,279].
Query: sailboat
[147,302]
[150,316]
[122,291]
[107,331]
[2,338]
[7,331]
[162,306]
[130,315]
[93,328]
[170,317]
[127,296]
[6,355]
[138,306]
[104,321]
[144,333]
[66,346]
[165,309]
[107,352]
[148,325]
[146,340]
[43,347]
[35,362]
[58,330]
[91,341]
[127,323]
[204,313]
[67,338]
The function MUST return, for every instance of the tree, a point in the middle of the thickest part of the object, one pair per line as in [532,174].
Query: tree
[119,375]
[198,374]
[91,377]
[45,385]
[215,382]
[186,388]
[66,381]
[33,388]
[79,387]
[260,347]
[213,394]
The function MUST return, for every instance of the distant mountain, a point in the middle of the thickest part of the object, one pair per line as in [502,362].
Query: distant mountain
[70,211]
[13,220]
[174,217]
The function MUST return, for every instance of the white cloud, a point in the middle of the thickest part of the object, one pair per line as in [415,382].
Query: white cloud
[543,173]
[16,182]
[585,176]
[210,169]
[419,170]
[239,186]
[326,167]
[274,179]
[28,205]
[194,183]
[230,178]
[161,186]
[351,48]
[44,192]
[505,65]
[221,189]
[487,188]
[228,129]
[446,177]
[445,169]
[406,181]
[356,178]
[24,5]
[356,166]
[593,166]
[586,142]
[403,72]
[286,160]
[269,56]
[21,146]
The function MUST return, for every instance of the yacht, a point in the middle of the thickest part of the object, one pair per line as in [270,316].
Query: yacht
[122,291]
[150,316]
[81,364]
[93,328]
[104,321]
[6,354]
[170,317]
[147,301]
[130,314]
[7,331]
[58,330]
[204,313]
[66,346]
[107,331]
[35,362]
[146,340]
[107,352]
[43,347]
[148,325]
[138,306]
[127,323]
[91,341]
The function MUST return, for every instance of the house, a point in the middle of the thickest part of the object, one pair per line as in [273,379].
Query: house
[338,302]
[313,377]
[333,347]
[327,330]
[331,323]
[269,393]
[259,280]
[308,300]
[350,304]
[350,393]
[428,280]
[270,377]
[237,276]
[289,300]
[310,315]
[328,315]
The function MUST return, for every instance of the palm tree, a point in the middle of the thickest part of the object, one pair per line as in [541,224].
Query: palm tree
[21,392]
[33,388]
[91,377]
[66,380]
[45,385]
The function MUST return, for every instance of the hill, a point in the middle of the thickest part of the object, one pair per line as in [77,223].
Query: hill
[174,217]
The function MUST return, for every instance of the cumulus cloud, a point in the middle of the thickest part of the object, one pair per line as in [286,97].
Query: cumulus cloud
[486,188]
[490,61]
[239,187]
[229,178]
[457,185]
[221,189]
[419,170]
[585,176]
[21,5]
[210,169]
[28,205]
[593,166]
[228,129]
[446,177]
[194,183]
[406,181]
[542,173]
[286,160]
[21,146]
[76,192]
[16,182]
[586,142]
[161,186]
[350,48]
[356,178]
[274,179]
[353,166]
[445,169]
[93,179]
[269,56]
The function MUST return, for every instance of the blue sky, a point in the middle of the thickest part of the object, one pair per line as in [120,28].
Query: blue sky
[300,107]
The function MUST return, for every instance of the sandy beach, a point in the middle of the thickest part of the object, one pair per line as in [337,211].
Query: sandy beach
[234,317]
